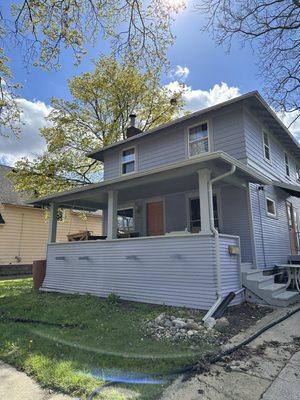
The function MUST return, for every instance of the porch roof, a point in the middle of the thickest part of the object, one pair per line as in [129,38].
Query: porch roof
[293,190]
[165,179]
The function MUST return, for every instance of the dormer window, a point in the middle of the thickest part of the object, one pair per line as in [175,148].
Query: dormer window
[267,153]
[287,164]
[128,161]
[198,139]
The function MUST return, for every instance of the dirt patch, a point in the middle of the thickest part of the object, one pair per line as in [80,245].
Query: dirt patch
[242,317]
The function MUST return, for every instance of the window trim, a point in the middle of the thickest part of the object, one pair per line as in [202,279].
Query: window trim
[275,207]
[287,164]
[188,138]
[122,162]
[264,132]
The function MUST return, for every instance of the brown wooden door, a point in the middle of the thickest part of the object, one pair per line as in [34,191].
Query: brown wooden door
[292,223]
[155,218]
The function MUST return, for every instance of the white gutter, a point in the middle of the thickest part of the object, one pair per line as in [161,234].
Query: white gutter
[217,239]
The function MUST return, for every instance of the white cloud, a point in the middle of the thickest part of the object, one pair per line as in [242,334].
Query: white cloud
[181,72]
[290,118]
[33,116]
[30,142]
[196,99]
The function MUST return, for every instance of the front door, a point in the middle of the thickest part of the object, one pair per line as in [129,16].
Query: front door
[292,223]
[155,218]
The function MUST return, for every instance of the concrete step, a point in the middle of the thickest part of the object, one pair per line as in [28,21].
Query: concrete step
[261,278]
[286,298]
[286,295]
[272,287]
[264,288]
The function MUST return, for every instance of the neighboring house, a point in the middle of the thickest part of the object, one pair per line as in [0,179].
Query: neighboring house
[205,199]
[24,228]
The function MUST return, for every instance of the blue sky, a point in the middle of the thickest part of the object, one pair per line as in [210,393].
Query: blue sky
[207,62]
[210,74]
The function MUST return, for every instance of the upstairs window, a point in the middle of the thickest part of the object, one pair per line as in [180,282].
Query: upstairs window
[287,164]
[297,172]
[267,153]
[128,161]
[198,139]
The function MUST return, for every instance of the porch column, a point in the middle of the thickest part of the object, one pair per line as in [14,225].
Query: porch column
[52,223]
[112,213]
[203,179]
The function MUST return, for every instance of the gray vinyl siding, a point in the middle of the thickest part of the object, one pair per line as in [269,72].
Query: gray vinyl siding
[254,144]
[178,271]
[176,213]
[162,148]
[157,149]
[112,166]
[169,145]
[228,133]
[272,243]
[230,268]
[235,218]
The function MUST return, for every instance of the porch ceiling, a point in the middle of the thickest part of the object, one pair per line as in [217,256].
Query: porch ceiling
[170,178]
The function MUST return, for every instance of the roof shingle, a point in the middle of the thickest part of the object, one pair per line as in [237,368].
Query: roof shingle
[8,194]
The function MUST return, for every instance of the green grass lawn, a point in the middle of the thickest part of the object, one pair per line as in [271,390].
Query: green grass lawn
[109,340]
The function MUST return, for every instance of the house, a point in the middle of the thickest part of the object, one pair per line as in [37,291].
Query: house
[209,203]
[24,229]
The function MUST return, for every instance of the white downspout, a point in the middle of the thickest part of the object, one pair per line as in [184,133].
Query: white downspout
[217,239]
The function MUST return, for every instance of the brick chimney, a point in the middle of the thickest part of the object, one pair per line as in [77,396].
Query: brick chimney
[132,130]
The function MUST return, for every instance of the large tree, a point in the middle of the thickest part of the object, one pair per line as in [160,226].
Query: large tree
[136,30]
[273,27]
[97,115]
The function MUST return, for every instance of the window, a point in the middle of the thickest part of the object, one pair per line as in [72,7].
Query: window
[1,220]
[195,220]
[128,161]
[125,220]
[198,139]
[60,215]
[267,154]
[287,164]
[271,207]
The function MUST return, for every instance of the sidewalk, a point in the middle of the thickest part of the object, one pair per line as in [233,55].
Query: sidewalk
[15,385]
[266,369]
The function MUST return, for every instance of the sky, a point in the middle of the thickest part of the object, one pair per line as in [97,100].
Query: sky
[211,76]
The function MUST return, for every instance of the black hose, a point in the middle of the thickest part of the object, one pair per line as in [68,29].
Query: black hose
[193,368]
[99,389]
[37,321]
[215,359]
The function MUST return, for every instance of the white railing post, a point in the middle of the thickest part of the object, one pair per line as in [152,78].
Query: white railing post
[203,180]
[112,214]
[52,223]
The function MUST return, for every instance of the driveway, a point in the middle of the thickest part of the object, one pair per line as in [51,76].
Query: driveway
[266,369]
